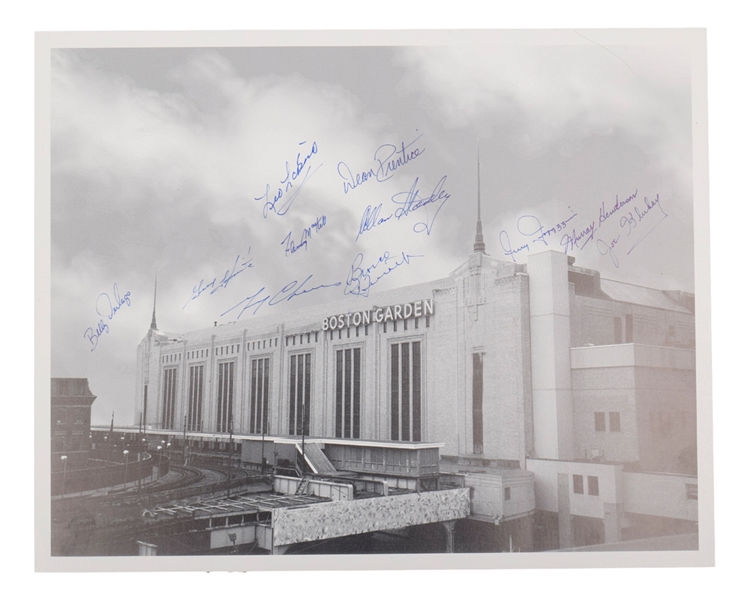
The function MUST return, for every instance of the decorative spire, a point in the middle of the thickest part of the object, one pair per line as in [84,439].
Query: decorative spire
[153,318]
[478,242]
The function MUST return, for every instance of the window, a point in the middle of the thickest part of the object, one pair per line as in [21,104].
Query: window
[224,419]
[299,393]
[195,399]
[478,403]
[615,423]
[507,493]
[592,485]
[691,491]
[145,402]
[405,391]
[259,395]
[600,421]
[170,390]
[577,484]
[348,393]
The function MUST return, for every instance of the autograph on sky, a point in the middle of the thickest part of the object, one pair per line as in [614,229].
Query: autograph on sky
[292,246]
[288,292]
[361,278]
[407,203]
[389,159]
[106,307]
[291,183]
[573,233]
[215,285]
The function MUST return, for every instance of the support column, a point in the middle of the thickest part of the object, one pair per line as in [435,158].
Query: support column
[146,549]
[551,374]
[450,530]
[612,522]
[566,539]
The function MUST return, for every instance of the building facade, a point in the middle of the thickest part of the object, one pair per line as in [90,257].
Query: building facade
[71,401]
[543,367]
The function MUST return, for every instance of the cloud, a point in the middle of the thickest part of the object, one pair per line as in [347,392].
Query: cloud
[169,181]
[538,97]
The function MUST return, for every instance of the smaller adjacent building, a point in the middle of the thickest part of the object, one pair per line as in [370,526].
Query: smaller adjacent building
[71,422]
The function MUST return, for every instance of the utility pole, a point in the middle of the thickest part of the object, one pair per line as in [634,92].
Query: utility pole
[304,419]
[231,448]
[262,438]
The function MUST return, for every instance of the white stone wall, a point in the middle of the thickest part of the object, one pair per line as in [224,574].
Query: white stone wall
[338,519]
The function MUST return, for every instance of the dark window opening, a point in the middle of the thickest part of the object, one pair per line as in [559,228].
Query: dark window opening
[299,394]
[691,491]
[600,419]
[478,403]
[405,391]
[259,395]
[577,484]
[592,485]
[629,324]
[615,423]
[170,390]
[195,398]
[225,397]
[348,393]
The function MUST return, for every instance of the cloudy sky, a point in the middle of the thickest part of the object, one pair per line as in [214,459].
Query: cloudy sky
[233,171]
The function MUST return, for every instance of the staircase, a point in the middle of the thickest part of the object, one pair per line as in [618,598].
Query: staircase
[302,488]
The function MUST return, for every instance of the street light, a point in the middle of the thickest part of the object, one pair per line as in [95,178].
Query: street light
[125,452]
[64,460]
[158,473]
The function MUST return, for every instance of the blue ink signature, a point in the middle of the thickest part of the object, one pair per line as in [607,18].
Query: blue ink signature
[215,285]
[360,280]
[413,202]
[504,241]
[529,226]
[578,239]
[407,202]
[604,214]
[631,222]
[605,248]
[292,247]
[110,308]
[292,181]
[371,219]
[93,336]
[290,291]
[386,164]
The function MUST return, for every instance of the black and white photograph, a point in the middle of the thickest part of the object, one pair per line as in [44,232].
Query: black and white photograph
[376,296]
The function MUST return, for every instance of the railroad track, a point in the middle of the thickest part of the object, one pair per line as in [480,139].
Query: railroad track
[188,476]
[190,481]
